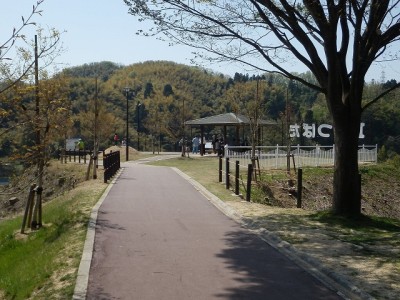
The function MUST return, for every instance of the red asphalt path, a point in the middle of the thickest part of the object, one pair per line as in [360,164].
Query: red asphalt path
[157,237]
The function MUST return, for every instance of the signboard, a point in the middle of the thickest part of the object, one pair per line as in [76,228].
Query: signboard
[311,130]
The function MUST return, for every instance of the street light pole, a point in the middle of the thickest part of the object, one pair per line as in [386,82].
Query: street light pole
[127,90]
[138,125]
[183,129]
[96,143]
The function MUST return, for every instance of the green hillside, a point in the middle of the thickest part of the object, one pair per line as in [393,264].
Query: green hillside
[168,93]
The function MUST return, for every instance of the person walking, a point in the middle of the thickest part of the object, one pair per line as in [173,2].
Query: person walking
[116,139]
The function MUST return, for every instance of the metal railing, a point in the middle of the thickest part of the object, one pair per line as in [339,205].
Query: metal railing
[112,164]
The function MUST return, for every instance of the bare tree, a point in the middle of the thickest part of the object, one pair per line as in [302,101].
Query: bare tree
[16,57]
[337,40]
[246,98]
[19,84]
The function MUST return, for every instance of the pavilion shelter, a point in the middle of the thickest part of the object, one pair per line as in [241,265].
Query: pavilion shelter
[224,120]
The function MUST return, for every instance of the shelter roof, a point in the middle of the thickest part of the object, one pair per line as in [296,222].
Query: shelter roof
[226,119]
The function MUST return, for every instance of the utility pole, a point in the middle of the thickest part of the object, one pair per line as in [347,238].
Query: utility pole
[127,90]
[183,129]
[138,125]
[37,215]
[95,142]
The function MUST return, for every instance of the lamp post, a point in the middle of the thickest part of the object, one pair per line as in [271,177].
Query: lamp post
[127,90]
[183,129]
[96,142]
[138,124]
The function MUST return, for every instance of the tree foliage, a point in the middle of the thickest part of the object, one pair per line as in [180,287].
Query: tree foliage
[192,85]
[182,96]
[102,70]
[337,41]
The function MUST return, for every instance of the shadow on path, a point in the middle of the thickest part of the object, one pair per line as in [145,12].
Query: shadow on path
[268,274]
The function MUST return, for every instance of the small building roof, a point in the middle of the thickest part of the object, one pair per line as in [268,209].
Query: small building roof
[226,119]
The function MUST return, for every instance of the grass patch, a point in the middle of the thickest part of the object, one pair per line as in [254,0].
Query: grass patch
[361,223]
[367,230]
[202,169]
[382,171]
[42,264]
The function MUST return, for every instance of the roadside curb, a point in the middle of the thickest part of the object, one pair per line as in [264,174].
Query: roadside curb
[82,278]
[329,278]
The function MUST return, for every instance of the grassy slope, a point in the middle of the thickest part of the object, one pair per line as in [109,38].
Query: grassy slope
[43,264]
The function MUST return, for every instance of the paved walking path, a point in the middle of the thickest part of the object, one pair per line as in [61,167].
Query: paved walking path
[158,237]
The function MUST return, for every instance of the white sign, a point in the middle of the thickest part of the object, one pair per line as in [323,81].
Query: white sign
[311,130]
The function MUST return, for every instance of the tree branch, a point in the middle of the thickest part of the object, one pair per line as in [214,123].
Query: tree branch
[380,96]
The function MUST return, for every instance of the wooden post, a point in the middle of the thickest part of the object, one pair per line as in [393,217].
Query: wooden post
[62,153]
[237,178]
[299,187]
[34,222]
[220,169]
[28,206]
[227,173]
[30,212]
[39,192]
[294,163]
[88,169]
[249,173]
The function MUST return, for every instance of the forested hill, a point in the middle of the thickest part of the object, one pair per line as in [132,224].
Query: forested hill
[164,94]
[102,70]
[187,92]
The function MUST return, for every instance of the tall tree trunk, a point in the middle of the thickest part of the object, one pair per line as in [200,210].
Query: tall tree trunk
[346,181]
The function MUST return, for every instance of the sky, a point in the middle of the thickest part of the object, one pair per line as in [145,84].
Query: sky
[102,30]
[99,30]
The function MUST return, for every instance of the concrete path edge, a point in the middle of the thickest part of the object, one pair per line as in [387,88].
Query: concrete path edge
[329,278]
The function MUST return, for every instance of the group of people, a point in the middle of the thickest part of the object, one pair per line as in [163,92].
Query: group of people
[217,144]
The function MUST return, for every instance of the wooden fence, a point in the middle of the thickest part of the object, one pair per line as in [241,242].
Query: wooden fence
[245,176]
[80,156]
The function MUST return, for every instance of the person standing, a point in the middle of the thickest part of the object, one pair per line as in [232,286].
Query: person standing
[81,145]
[195,145]
[213,142]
